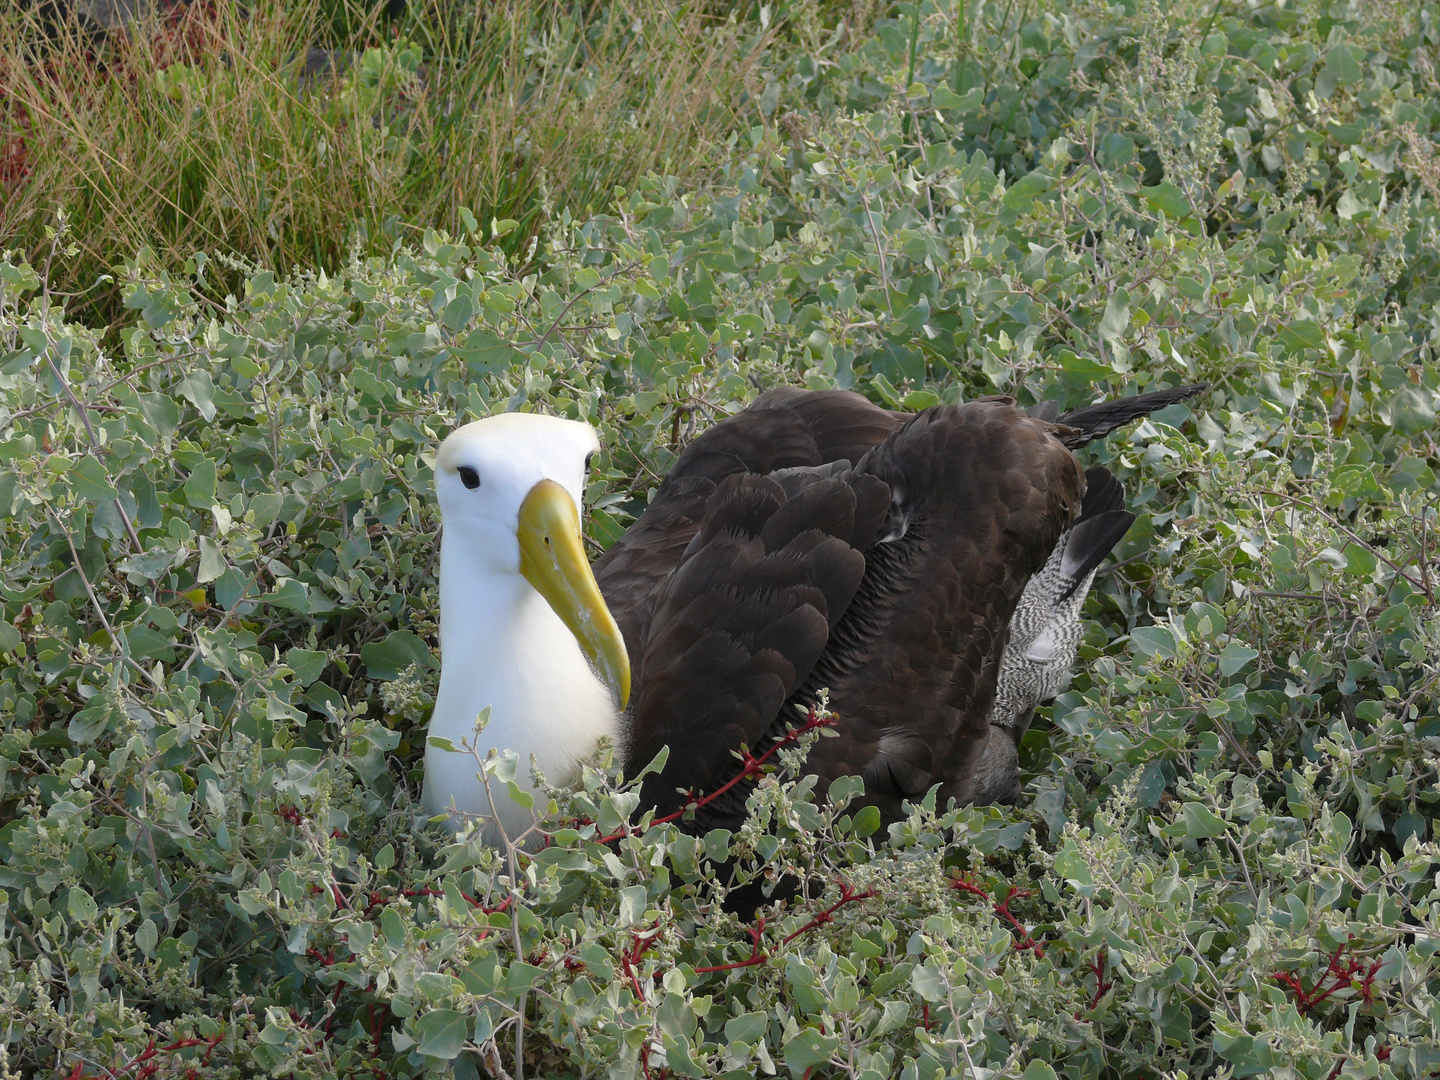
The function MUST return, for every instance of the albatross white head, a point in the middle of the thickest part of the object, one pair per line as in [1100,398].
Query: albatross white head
[523,629]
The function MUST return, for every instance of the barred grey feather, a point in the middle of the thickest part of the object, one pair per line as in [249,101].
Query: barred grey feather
[1045,630]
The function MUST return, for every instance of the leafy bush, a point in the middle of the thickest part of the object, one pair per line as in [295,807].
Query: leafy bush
[218,589]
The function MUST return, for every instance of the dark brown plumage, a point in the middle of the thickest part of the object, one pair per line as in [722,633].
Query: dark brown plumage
[768,567]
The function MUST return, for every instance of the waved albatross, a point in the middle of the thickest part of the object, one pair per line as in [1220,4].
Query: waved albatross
[927,570]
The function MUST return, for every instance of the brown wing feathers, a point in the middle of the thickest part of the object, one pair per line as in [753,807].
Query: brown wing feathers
[739,625]
[783,429]
[766,568]
[984,493]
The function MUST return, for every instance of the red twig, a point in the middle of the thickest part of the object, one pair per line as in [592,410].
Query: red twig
[847,896]
[757,955]
[664,1073]
[1023,942]
[376,1023]
[750,766]
[630,956]
[966,885]
[146,1058]
[1336,976]
[1102,984]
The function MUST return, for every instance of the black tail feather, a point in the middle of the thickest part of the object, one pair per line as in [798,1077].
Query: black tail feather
[1089,542]
[1103,493]
[1048,410]
[1096,421]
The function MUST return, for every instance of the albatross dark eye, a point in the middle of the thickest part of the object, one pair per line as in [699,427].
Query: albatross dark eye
[590,457]
[469,477]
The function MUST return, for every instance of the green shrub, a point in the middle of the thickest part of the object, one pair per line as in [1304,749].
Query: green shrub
[217,577]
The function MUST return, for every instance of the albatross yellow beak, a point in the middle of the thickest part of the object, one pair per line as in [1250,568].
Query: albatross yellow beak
[552,559]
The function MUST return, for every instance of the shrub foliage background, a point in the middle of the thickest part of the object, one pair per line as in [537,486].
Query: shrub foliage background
[218,591]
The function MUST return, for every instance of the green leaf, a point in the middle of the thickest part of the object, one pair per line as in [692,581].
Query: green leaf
[385,660]
[212,561]
[1037,1070]
[147,937]
[1346,64]
[265,508]
[1070,864]
[1117,316]
[1302,334]
[307,664]
[1021,195]
[1360,562]
[145,642]
[1152,641]
[1116,150]
[290,594]
[485,354]
[200,487]
[927,982]
[90,723]
[1412,410]
[88,478]
[392,927]
[81,905]
[809,1047]
[458,312]
[1200,822]
[521,976]
[748,1028]
[867,821]
[633,901]
[1169,200]
[1234,656]
[150,565]
[1085,368]
[199,389]
[442,1033]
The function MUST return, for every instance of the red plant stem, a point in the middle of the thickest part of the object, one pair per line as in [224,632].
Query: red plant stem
[148,1067]
[750,961]
[966,885]
[750,766]
[847,896]
[639,946]
[759,956]
[334,1011]
[1024,942]
[1337,975]
[645,1064]
[1102,985]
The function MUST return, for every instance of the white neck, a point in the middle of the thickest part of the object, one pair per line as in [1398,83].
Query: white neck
[502,646]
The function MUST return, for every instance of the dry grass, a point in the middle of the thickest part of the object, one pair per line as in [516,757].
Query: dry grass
[200,130]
